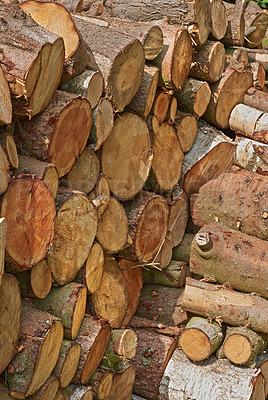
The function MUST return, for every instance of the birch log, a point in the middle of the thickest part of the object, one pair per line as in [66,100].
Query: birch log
[251,155]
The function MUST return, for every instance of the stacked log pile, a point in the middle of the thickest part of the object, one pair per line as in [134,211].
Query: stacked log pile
[133,184]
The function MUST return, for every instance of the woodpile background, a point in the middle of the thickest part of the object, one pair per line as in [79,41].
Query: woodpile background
[134,200]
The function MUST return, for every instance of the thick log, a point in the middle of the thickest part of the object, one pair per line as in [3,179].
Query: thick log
[251,155]
[93,337]
[222,304]
[226,94]
[153,354]
[110,300]
[29,209]
[30,55]
[67,362]
[3,233]
[8,144]
[122,385]
[161,304]
[172,276]
[183,250]
[40,340]
[4,171]
[256,99]
[258,73]
[212,379]
[175,58]
[112,228]
[102,125]
[186,128]
[67,303]
[79,392]
[125,170]
[101,383]
[100,195]
[209,61]
[120,58]
[161,105]
[249,122]
[211,154]
[10,311]
[218,19]
[236,23]
[193,97]
[255,17]
[48,390]
[5,102]
[59,134]
[243,209]
[75,230]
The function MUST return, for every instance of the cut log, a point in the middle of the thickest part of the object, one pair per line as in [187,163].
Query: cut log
[193,97]
[84,174]
[93,337]
[45,171]
[231,258]
[148,219]
[8,144]
[255,17]
[10,311]
[211,154]
[249,122]
[101,383]
[172,111]
[59,134]
[161,304]
[242,209]
[161,105]
[186,128]
[72,5]
[67,303]
[122,385]
[175,58]
[238,53]
[218,19]
[3,233]
[256,99]
[48,390]
[164,253]
[143,100]
[110,300]
[31,57]
[5,103]
[91,273]
[75,230]
[125,170]
[4,169]
[63,394]
[79,392]
[40,340]
[212,379]
[183,250]
[103,121]
[251,155]
[153,354]
[260,56]
[226,94]
[100,196]
[89,84]
[67,362]
[112,229]
[29,209]
[120,59]
[209,61]
[220,303]
[236,23]
[172,276]
[36,282]
[262,364]
[258,73]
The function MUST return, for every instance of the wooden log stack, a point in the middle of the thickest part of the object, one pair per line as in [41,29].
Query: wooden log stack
[133,200]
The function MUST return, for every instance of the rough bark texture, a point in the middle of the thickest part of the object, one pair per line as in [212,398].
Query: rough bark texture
[67,362]
[183,250]
[209,61]
[251,155]
[256,99]
[79,392]
[236,23]
[194,97]
[186,128]
[172,276]
[218,19]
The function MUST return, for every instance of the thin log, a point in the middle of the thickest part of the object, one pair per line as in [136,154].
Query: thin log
[161,105]
[48,390]
[218,19]
[67,362]
[171,114]
[101,383]
[3,233]
[172,276]
[258,73]
[183,250]
[8,144]
[4,171]
[251,155]
[5,103]
[186,128]
[164,254]
[194,97]
[100,196]
[63,394]
[236,23]
[79,392]
[256,99]
[259,56]
[255,17]
[122,387]
[103,121]
[238,53]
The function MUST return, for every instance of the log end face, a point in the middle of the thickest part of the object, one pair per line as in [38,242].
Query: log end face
[153,43]
[195,344]
[237,349]
[181,58]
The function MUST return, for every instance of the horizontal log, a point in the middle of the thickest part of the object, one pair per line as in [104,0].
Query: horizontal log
[193,97]
[67,362]
[256,99]
[182,252]
[255,17]
[251,155]
[209,61]
[173,276]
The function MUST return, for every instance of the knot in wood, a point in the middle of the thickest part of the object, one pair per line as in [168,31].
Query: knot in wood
[203,240]
[264,214]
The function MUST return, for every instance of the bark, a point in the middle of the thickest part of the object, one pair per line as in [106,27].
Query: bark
[175,57]
[218,19]
[4,392]
[209,61]
[4,169]
[101,383]
[258,18]
[93,338]
[236,23]
[122,385]
[225,305]
[8,144]
[75,230]
[238,53]
[5,102]
[67,303]
[67,362]
[211,154]
[120,58]
[59,134]
[10,311]
[186,128]
[183,250]
[172,276]
[251,155]
[258,73]
[103,121]
[112,229]
[29,56]
[125,170]
[161,105]
[110,300]
[79,392]
[194,97]
[100,195]
[257,55]
[256,99]
[243,209]
[262,364]
[48,390]
[84,174]
[3,233]
[226,94]
[29,209]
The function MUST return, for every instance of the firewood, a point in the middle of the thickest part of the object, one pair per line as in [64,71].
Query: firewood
[172,111]
[258,73]
[143,100]
[4,171]
[207,300]
[249,122]
[30,221]
[30,55]
[8,144]
[125,170]
[110,300]
[178,214]
[217,200]
[48,390]
[72,5]
[256,99]
[59,134]
[186,128]
[182,251]
[122,385]
[5,105]
[40,340]
[3,233]
[172,276]
[209,61]
[211,379]
[123,67]
[75,230]
[67,303]
[45,171]
[238,53]
[10,311]
[218,19]
[63,394]
[161,105]
[262,364]
[101,383]
[175,57]
[67,362]
[79,392]
[211,154]
[4,392]
[93,337]
[102,123]
[164,253]
[100,195]
[236,23]
[260,56]
[194,97]
[251,155]
[256,17]
[226,94]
